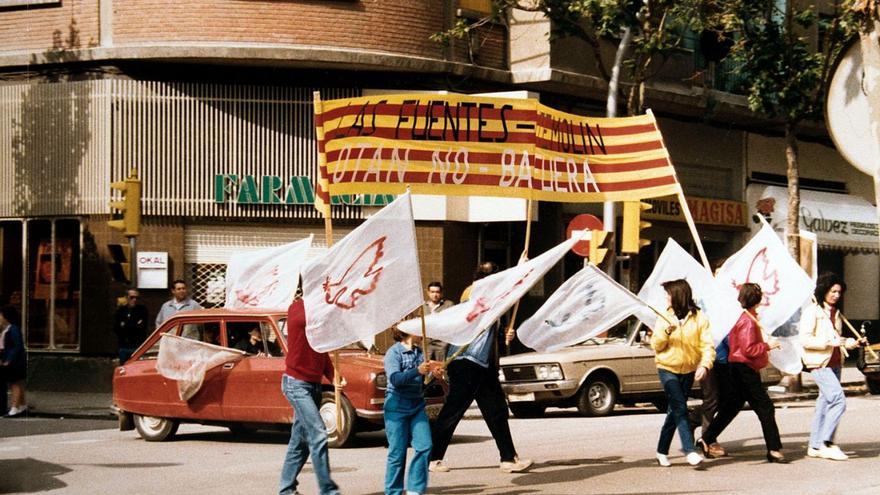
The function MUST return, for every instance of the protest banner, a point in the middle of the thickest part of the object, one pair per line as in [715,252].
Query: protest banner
[266,278]
[187,360]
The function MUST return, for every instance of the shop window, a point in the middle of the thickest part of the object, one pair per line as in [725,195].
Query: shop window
[11,264]
[208,283]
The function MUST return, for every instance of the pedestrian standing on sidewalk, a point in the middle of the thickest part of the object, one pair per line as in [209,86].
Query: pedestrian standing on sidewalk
[684,351]
[13,362]
[180,301]
[748,354]
[473,375]
[301,385]
[406,422]
[824,352]
[130,325]
[435,304]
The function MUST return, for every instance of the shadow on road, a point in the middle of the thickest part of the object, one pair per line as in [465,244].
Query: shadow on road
[30,475]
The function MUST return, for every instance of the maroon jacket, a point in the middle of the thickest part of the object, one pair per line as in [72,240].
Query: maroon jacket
[747,346]
[303,362]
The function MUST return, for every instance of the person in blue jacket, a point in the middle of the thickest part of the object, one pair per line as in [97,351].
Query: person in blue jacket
[406,422]
[13,362]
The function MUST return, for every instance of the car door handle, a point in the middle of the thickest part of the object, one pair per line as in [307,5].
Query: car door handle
[228,366]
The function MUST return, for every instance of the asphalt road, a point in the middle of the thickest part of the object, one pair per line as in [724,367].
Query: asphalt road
[573,455]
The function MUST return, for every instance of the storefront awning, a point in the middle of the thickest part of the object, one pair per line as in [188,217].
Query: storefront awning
[840,221]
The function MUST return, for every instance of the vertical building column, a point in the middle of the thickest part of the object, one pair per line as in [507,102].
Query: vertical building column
[105,14]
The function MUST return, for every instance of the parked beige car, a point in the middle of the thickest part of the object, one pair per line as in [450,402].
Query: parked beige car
[592,376]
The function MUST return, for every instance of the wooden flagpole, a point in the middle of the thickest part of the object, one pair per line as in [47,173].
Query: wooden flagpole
[857,334]
[681,199]
[510,333]
[328,237]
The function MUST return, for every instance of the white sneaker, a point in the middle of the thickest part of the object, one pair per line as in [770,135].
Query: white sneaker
[832,452]
[663,460]
[438,467]
[16,411]
[518,465]
[694,459]
[814,453]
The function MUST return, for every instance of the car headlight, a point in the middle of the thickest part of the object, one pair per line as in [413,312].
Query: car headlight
[548,372]
[381,381]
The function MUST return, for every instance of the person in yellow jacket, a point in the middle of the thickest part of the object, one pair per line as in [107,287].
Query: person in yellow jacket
[682,342]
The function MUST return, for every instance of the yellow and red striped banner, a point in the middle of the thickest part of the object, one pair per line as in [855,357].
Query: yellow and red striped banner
[481,146]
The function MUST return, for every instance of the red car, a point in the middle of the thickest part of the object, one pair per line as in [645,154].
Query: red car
[245,395]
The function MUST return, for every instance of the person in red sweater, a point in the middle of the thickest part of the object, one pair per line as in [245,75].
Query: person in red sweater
[749,353]
[301,385]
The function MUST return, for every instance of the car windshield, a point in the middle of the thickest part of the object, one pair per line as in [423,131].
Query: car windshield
[622,332]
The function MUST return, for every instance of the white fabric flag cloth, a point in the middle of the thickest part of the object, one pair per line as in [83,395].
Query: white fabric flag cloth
[764,260]
[675,263]
[366,282]
[187,360]
[490,298]
[586,305]
[266,278]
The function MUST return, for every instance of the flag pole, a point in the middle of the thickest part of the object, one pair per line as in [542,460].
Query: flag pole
[857,334]
[682,201]
[510,333]
[328,237]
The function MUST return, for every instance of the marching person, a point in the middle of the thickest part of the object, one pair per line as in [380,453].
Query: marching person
[435,304]
[684,351]
[406,422]
[301,385]
[473,375]
[748,353]
[824,352]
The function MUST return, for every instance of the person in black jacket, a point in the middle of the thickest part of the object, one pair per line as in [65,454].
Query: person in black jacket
[130,325]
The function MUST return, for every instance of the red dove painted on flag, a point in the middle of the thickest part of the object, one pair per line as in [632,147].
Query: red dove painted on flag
[359,279]
[483,304]
[256,289]
[760,272]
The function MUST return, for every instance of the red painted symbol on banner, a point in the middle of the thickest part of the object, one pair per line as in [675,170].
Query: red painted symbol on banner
[483,304]
[253,297]
[761,273]
[359,279]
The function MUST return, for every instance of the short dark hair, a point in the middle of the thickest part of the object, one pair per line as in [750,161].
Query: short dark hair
[178,281]
[397,334]
[485,269]
[12,316]
[435,284]
[825,282]
[682,297]
[750,295]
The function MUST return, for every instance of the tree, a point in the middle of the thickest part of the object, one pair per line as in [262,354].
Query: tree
[787,77]
[647,32]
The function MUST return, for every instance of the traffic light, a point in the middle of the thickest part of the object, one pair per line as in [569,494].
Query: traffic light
[631,241]
[597,251]
[121,265]
[129,206]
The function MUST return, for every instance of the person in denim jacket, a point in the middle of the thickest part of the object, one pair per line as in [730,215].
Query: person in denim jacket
[406,421]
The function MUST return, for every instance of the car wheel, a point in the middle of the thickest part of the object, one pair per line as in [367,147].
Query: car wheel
[597,397]
[153,429]
[527,409]
[873,386]
[337,436]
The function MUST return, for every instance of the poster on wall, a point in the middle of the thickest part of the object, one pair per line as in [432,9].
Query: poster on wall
[43,276]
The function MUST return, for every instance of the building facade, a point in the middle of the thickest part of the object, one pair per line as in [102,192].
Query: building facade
[211,104]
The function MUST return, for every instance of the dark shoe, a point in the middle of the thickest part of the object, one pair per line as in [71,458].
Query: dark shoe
[703,447]
[777,457]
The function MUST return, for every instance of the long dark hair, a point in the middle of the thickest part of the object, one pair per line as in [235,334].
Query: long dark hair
[824,284]
[11,315]
[682,297]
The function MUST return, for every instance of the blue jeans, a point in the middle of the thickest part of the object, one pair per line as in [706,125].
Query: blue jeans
[676,387]
[406,423]
[307,435]
[829,406]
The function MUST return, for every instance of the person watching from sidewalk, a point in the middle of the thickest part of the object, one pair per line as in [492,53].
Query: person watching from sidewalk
[179,302]
[684,351]
[13,362]
[748,353]
[130,325]
[473,375]
[824,352]
[406,422]
[436,303]
[301,385]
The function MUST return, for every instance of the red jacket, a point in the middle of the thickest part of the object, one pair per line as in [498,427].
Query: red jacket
[747,346]
[303,362]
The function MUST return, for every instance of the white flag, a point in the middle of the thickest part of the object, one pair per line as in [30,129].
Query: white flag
[490,298]
[187,360]
[266,278]
[586,305]
[764,260]
[366,282]
[675,263]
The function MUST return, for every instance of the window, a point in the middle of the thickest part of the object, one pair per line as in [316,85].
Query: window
[153,351]
[253,337]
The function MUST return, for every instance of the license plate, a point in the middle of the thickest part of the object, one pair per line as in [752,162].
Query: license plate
[529,397]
